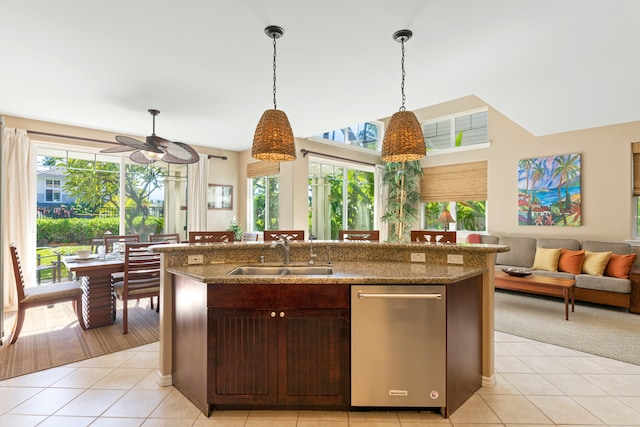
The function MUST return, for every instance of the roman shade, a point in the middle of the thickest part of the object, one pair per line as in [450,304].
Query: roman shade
[258,169]
[635,150]
[454,183]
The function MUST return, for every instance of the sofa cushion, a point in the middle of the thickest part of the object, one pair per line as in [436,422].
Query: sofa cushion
[571,261]
[595,262]
[620,265]
[571,244]
[618,248]
[546,259]
[489,240]
[603,283]
[521,253]
[559,274]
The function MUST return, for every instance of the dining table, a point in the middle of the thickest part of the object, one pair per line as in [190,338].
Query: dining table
[94,276]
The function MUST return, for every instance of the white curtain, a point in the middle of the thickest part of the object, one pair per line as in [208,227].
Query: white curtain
[197,184]
[381,203]
[19,203]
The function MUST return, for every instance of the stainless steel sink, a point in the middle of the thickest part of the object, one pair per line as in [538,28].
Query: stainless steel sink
[311,270]
[302,270]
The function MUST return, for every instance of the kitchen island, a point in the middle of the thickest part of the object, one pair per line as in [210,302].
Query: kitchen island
[283,341]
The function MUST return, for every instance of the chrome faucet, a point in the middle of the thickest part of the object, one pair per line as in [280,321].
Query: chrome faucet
[312,255]
[285,245]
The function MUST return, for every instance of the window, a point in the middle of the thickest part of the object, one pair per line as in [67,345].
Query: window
[363,135]
[469,216]
[462,189]
[52,190]
[341,197]
[465,130]
[89,194]
[265,203]
[635,153]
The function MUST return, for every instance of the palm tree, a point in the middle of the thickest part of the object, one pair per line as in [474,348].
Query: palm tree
[537,175]
[566,169]
[404,198]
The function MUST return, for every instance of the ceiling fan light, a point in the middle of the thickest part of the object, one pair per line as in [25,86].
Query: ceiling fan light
[403,139]
[273,140]
[152,155]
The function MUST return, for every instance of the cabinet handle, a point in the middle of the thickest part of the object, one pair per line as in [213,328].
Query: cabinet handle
[282,314]
[273,314]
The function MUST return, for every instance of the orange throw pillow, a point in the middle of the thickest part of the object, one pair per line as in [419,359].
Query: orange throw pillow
[620,265]
[571,261]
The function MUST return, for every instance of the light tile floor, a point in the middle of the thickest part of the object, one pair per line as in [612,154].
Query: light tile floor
[537,384]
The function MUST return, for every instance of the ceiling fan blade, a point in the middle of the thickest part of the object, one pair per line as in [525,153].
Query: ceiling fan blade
[178,152]
[137,145]
[117,149]
[155,141]
[138,157]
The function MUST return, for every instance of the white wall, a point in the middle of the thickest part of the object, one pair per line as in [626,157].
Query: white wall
[606,173]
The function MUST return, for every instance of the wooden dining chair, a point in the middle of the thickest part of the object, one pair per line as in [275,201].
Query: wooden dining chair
[433,236]
[271,235]
[211,236]
[359,235]
[109,240]
[35,296]
[141,279]
[169,238]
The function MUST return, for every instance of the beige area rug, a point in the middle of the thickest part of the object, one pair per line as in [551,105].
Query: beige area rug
[595,329]
[52,337]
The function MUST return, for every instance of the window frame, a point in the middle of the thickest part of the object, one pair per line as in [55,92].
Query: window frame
[451,118]
[379,124]
[346,166]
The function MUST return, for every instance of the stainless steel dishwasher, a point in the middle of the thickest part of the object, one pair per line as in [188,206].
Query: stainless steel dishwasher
[398,346]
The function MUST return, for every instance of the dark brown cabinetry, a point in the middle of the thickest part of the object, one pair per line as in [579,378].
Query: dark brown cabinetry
[270,345]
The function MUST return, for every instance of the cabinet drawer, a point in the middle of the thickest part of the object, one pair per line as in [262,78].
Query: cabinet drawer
[314,296]
[272,296]
[242,296]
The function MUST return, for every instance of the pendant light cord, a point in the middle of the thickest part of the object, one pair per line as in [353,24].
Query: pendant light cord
[275,104]
[402,108]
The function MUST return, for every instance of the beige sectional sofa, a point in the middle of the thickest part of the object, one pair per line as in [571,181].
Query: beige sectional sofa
[601,289]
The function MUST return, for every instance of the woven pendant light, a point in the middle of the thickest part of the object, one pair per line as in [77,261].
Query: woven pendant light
[273,140]
[403,139]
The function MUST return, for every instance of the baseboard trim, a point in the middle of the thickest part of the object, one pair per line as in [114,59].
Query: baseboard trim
[489,381]
[164,380]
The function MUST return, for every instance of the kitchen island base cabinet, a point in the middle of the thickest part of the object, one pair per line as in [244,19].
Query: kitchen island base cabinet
[267,346]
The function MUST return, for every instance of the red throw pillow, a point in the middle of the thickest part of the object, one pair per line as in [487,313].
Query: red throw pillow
[620,265]
[571,261]
[473,238]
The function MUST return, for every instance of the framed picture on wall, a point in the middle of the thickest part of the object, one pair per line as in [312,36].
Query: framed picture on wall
[550,191]
[220,196]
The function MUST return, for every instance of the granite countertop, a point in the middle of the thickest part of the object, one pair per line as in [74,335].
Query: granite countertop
[344,272]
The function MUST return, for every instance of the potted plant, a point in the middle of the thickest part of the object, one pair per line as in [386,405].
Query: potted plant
[402,210]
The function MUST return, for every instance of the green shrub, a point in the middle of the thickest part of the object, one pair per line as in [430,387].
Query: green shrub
[73,230]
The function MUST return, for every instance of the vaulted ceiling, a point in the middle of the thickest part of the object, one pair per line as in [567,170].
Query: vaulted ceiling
[549,65]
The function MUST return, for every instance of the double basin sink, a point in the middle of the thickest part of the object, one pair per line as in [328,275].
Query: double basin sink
[285,270]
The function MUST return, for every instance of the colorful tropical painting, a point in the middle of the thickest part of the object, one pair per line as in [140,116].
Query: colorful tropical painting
[549,191]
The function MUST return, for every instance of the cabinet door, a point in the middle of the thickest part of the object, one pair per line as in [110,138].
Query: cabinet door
[243,356]
[314,357]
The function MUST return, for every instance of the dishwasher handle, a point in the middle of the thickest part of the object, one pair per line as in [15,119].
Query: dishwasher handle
[362,295]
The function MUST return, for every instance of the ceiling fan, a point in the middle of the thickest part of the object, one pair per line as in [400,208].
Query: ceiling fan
[155,148]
